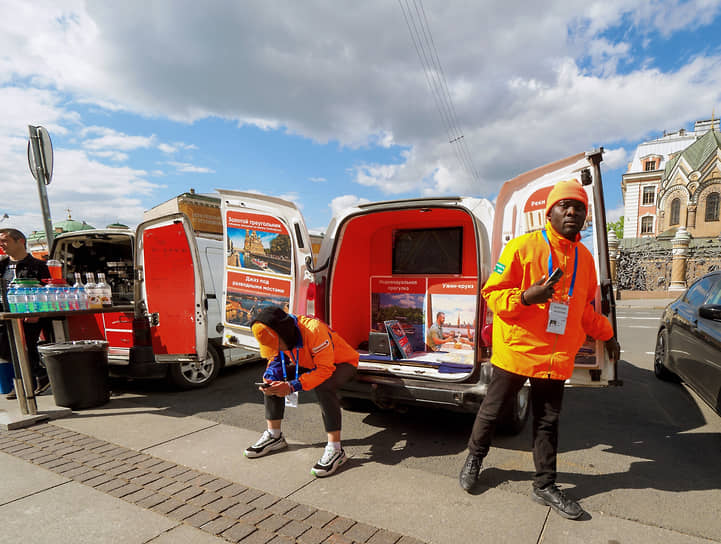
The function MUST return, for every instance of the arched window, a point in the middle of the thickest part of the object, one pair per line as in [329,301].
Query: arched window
[675,218]
[712,207]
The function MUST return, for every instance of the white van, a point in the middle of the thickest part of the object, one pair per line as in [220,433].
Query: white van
[171,275]
[386,270]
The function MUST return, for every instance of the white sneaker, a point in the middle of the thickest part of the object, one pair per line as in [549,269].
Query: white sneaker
[266,444]
[329,462]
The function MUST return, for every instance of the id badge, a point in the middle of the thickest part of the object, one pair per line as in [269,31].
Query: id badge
[292,399]
[557,317]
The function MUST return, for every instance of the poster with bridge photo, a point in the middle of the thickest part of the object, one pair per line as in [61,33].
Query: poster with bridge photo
[257,242]
[399,299]
[248,294]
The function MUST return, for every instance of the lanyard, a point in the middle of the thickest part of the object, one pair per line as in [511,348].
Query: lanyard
[282,360]
[550,263]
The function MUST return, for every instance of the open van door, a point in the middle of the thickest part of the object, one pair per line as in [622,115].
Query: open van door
[266,249]
[170,290]
[520,208]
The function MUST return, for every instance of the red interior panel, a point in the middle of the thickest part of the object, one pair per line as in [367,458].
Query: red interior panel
[170,288]
[86,327]
[366,250]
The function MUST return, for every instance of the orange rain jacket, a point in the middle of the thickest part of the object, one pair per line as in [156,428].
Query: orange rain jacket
[318,351]
[520,342]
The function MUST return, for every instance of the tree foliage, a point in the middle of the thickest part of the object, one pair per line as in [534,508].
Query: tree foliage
[616,226]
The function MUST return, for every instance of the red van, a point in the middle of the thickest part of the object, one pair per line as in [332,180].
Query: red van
[397,266]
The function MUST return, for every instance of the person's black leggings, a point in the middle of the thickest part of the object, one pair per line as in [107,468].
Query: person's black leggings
[546,400]
[327,398]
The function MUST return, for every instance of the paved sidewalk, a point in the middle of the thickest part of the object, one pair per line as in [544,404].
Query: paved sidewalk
[216,506]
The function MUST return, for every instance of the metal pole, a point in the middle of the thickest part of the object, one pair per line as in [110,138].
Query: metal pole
[40,177]
[26,386]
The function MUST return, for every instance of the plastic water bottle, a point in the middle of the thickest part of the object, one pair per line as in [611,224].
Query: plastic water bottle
[32,298]
[12,299]
[92,291]
[82,299]
[62,299]
[21,300]
[104,291]
[42,299]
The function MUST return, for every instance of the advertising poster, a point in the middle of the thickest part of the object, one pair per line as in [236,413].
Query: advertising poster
[451,313]
[401,300]
[401,348]
[258,255]
[250,293]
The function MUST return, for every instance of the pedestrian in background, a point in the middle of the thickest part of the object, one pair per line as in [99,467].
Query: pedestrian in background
[22,265]
[303,354]
[538,327]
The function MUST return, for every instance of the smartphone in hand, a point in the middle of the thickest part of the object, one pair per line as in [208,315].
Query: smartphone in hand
[554,277]
[263,385]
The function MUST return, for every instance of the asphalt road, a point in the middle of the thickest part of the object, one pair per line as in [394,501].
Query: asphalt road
[647,450]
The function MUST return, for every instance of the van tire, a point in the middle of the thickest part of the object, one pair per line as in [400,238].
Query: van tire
[515,414]
[196,375]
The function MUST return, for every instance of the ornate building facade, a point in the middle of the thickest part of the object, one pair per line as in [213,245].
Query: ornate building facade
[673,182]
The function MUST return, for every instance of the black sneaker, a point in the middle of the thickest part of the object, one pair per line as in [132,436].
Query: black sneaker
[12,395]
[266,444]
[329,462]
[555,498]
[43,385]
[470,471]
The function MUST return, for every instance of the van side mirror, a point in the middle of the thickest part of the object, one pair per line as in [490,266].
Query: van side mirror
[710,311]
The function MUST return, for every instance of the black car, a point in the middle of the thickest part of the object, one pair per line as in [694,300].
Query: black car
[688,346]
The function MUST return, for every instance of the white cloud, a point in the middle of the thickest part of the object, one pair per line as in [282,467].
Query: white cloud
[317,180]
[190,168]
[614,214]
[111,139]
[616,158]
[340,203]
[530,84]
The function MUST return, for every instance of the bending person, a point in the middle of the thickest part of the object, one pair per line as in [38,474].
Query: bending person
[303,354]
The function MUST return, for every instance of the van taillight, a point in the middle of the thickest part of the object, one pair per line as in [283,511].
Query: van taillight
[141,332]
[487,325]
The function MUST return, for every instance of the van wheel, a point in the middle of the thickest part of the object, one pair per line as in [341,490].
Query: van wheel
[515,415]
[192,375]
[661,358]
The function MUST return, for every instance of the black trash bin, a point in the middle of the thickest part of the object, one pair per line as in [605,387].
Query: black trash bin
[78,372]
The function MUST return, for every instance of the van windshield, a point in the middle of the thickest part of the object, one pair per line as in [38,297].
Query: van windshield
[109,253]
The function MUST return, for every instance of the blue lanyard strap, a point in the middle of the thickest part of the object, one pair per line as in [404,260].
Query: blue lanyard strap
[550,263]
[282,360]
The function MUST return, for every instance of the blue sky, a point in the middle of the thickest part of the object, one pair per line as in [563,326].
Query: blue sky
[327,104]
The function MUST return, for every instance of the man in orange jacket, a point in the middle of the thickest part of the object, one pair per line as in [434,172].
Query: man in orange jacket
[538,327]
[303,353]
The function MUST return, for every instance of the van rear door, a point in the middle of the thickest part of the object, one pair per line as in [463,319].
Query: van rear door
[267,248]
[170,289]
[520,208]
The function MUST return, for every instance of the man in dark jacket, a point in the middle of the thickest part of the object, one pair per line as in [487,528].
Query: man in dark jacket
[20,264]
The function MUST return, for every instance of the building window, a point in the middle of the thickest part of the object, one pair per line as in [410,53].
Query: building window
[647,225]
[650,165]
[712,207]
[675,218]
[648,196]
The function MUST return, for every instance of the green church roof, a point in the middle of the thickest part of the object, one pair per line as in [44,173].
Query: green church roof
[697,153]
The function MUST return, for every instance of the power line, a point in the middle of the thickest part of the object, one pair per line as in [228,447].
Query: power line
[435,77]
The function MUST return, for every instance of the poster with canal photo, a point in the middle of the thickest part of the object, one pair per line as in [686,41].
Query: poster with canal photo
[257,242]
[248,294]
[401,300]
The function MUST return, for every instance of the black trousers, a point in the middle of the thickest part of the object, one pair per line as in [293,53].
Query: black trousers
[546,400]
[327,393]
[32,334]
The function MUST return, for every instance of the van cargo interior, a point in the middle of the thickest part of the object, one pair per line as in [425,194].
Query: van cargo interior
[433,252]
[111,254]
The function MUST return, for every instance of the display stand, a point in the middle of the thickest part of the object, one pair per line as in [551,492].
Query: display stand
[24,386]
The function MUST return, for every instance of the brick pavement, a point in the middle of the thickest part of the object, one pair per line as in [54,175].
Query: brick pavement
[217,506]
